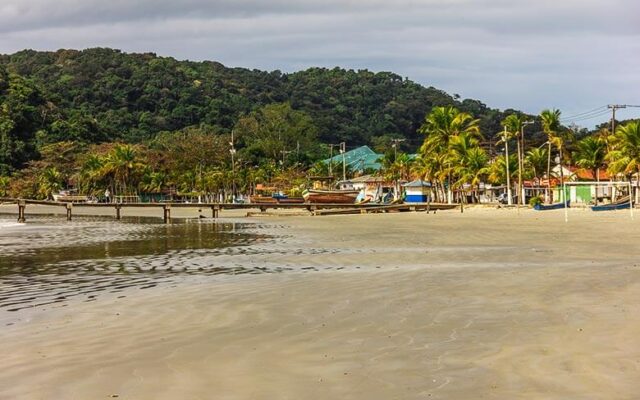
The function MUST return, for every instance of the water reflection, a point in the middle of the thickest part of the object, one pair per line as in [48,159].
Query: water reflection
[49,260]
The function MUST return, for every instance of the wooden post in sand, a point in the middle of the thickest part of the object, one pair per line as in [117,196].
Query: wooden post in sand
[21,206]
[69,208]
[118,216]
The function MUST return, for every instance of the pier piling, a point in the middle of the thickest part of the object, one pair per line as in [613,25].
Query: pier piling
[69,208]
[21,207]
[167,213]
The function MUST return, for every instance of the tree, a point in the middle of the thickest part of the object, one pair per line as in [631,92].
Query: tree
[536,159]
[589,154]
[123,167]
[470,162]
[551,127]
[277,132]
[50,181]
[624,157]
[441,126]
[5,181]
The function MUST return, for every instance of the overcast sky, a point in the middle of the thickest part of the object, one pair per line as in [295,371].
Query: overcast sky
[575,55]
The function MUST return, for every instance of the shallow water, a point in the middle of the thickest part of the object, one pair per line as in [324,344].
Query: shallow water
[50,261]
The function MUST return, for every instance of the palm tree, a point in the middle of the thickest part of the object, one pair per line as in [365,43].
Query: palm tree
[551,127]
[91,174]
[395,168]
[514,124]
[589,154]
[440,126]
[471,163]
[122,165]
[497,171]
[50,181]
[536,159]
[624,156]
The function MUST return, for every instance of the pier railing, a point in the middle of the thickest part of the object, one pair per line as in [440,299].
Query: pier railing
[215,208]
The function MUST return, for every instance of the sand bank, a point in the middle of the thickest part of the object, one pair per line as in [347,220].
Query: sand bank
[485,304]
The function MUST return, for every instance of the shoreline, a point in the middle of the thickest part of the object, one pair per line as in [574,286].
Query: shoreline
[489,303]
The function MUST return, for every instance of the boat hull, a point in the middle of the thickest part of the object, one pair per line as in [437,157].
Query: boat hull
[331,196]
[555,206]
[611,207]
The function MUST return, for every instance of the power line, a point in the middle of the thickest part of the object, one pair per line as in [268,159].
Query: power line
[595,110]
[587,117]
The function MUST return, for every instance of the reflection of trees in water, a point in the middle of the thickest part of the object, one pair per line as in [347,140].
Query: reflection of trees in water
[37,272]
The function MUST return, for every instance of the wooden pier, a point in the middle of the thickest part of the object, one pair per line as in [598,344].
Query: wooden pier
[216,208]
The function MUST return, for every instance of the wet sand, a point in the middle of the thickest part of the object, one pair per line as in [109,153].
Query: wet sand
[485,304]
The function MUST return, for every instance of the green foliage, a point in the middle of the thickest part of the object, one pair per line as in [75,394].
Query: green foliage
[21,105]
[536,200]
[624,157]
[99,95]
[276,131]
[590,153]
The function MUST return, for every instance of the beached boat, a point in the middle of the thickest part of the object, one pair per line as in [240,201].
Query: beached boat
[554,206]
[330,196]
[276,199]
[622,204]
[68,196]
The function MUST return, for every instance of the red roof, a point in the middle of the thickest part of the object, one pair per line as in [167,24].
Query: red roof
[587,175]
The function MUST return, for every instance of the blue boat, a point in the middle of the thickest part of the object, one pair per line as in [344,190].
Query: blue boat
[611,207]
[554,206]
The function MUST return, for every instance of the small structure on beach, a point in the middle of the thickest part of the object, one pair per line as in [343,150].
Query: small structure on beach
[417,191]
[371,187]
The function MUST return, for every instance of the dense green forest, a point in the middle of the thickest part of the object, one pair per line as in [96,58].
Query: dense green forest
[104,95]
[137,123]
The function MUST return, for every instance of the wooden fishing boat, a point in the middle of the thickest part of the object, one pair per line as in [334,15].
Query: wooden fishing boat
[276,200]
[263,199]
[330,196]
[291,200]
[622,204]
[554,206]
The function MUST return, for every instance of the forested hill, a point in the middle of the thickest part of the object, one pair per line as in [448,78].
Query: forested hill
[101,94]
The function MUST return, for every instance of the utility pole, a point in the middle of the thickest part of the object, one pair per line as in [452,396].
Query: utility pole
[395,147]
[613,108]
[521,192]
[506,161]
[343,149]
[232,150]
[331,146]
[284,153]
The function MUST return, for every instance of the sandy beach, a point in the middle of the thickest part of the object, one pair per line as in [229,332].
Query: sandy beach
[486,304]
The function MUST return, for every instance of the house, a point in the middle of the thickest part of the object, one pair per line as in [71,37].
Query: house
[370,186]
[581,194]
[360,160]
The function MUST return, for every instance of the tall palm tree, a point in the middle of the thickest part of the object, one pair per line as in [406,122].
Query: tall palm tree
[440,126]
[624,156]
[589,154]
[123,165]
[471,166]
[551,127]
[514,124]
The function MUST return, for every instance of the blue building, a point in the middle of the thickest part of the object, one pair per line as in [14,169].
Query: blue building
[417,191]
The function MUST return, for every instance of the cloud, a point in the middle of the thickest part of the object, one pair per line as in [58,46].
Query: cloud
[572,54]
